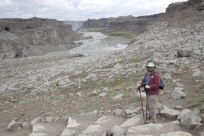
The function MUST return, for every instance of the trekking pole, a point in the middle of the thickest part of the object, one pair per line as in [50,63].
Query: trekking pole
[142,106]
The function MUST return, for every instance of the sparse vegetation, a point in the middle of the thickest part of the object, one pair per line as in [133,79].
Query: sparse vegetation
[197,102]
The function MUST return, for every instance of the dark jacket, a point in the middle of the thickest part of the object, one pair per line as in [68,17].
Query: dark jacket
[154,83]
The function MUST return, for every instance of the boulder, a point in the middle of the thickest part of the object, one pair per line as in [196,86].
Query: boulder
[190,119]
[169,113]
[14,125]
[178,93]
[184,53]
[177,133]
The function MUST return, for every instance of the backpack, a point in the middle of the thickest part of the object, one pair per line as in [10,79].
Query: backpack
[161,86]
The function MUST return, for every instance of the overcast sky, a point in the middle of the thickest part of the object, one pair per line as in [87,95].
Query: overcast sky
[80,9]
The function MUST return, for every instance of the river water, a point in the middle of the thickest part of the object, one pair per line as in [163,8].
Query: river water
[99,44]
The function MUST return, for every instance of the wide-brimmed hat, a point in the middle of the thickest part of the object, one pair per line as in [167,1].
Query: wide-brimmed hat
[150,64]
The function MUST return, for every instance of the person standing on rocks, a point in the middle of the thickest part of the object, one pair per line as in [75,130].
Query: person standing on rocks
[151,83]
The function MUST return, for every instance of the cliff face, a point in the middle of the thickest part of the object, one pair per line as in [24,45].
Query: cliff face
[121,23]
[35,36]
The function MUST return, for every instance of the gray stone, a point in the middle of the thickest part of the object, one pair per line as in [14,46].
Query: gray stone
[144,129]
[178,93]
[68,132]
[93,130]
[178,107]
[14,125]
[183,113]
[39,128]
[37,120]
[190,119]
[118,131]
[118,97]
[132,111]
[197,74]
[103,119]
[184,53]
[38,134]
[167,76]
[177,133]
[169,113]
[72,123]
[118,112]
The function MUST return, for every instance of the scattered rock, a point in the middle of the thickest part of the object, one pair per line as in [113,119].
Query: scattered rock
[197,74]
[118,112]
[93,130]
[144,129]
[102,94]
[167,76]
[39,128]
[38,134]
[37,120]
[178,133]
[178,93]
[169,113]
[178,107]
[26,124]
[14,125]
[72,123]
[68,132]
[118,131]
[132,111]
[103,119]
[118,97]
[132,121]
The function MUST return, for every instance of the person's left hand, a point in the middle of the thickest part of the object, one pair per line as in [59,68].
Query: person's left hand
[147,86]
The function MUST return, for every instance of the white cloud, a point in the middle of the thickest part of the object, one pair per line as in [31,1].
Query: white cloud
[80,9]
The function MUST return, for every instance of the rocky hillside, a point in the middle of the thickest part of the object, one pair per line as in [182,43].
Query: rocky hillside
[25,37]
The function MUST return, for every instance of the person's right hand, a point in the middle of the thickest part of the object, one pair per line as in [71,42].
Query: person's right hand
[139,84]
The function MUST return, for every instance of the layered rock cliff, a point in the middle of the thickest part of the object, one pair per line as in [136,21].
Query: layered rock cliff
[138,24]
[35,36]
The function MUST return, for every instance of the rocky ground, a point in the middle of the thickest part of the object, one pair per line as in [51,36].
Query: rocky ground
[56,86]
[91,93]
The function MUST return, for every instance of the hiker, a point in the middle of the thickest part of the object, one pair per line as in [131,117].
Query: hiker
[151,84]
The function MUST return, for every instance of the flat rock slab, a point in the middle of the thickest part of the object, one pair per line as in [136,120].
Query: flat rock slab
[134,121]
[154,129]
[178,133]
[169,113]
